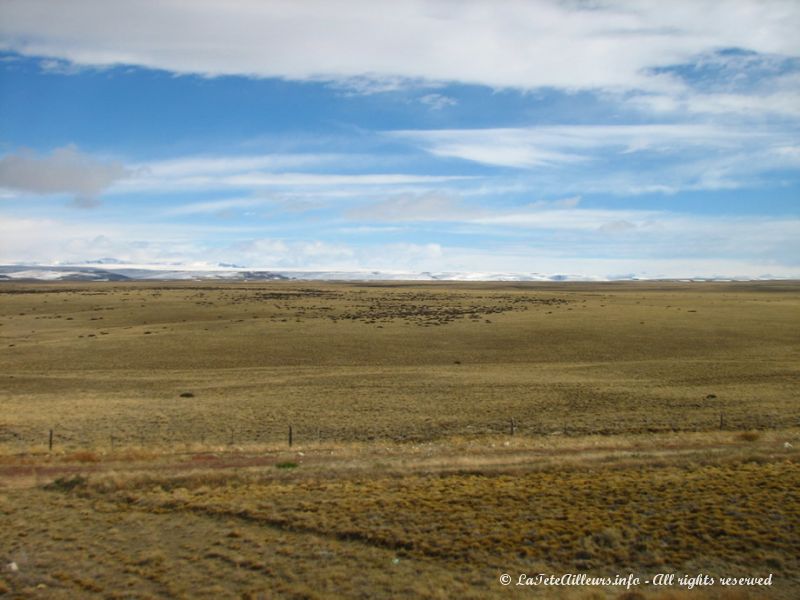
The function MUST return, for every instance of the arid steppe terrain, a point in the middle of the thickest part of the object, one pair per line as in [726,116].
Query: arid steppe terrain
[442,434]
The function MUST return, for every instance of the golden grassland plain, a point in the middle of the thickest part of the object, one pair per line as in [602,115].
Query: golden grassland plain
[443,434]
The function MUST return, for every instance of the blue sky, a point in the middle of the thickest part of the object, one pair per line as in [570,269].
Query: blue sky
[602,139]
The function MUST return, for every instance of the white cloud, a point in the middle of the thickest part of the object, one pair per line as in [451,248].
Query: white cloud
[735,84]
[319,179]
[527,147]
[214,206]
[369,229]
[776,96]
[65,171]
[445,206]
[570,219]
[191,166]
[776,103]
[538,43]
[258,172]
[430,206]
[320,255]
[620,226]
[367,85]
[438,101]
[291,253]
[571,202]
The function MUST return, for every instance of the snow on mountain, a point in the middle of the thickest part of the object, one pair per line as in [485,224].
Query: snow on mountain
[112,270]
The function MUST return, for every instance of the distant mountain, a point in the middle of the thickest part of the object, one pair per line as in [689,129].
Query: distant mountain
[126,272]
[38,273]
[114,270]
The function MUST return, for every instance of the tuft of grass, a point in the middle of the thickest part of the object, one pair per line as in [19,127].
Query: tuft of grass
[150,557]
[67,484]
[749,436]
[84,456]
[286,465]
[631,596]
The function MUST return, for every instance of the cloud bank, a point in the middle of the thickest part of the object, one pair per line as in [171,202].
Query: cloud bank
[620,45]
[657,244]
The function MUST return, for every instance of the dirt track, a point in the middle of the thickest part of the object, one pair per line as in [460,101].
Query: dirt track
[39,470]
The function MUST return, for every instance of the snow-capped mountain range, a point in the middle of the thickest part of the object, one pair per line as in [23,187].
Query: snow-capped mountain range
[109,269]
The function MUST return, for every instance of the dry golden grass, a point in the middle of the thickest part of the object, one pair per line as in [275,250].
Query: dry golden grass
[412,520]
[655,428]
[402,362]
[641,517]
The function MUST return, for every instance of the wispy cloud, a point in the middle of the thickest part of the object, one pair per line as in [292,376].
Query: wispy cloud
[437,101]
[261,172]
[621,159]
[565,228]
[552,145]
[191,166]
[213,206]
[442,206]
[430,206]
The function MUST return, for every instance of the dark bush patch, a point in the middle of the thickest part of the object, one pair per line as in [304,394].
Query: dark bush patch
[66,484]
